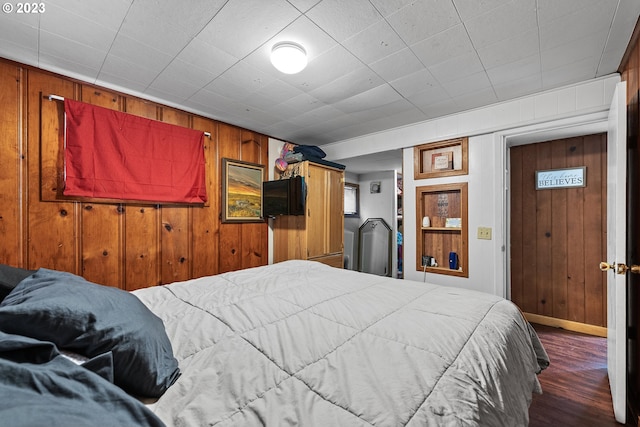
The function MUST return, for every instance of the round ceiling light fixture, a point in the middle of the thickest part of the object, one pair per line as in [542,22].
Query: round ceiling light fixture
[289,57]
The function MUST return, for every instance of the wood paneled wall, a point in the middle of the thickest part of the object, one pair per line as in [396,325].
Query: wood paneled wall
[558,237]
[118,244]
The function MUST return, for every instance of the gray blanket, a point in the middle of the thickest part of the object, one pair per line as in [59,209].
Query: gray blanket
[302,344]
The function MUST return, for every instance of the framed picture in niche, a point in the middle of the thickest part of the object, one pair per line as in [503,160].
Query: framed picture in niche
[443,158]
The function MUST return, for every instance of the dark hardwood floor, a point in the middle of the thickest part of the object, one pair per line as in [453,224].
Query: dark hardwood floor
[575,386]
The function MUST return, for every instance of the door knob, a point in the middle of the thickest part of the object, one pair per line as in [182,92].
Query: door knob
[619,268]
[623,268]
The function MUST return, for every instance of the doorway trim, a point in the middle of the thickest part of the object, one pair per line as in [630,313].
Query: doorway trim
[586,124]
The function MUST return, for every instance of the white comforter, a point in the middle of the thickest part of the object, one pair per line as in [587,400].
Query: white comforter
[302,344]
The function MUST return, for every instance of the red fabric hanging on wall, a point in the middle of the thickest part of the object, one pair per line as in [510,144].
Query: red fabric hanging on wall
[115,155]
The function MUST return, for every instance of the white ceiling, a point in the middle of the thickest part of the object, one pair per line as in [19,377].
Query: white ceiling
[374,64]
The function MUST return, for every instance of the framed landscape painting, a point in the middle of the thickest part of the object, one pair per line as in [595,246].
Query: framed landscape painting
[241,191]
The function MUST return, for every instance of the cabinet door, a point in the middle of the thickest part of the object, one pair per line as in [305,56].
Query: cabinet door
[335,214]
[317,219]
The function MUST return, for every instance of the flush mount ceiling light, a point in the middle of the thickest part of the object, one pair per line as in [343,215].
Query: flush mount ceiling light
[289,57]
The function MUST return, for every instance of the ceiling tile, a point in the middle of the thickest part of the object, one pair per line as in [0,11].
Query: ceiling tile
[182,79]
[397,65]
[125,84]
[515,70]
[420,20]
[109,14]
[242,25]
[417,82]
[584,69]
[457,68]
[575,51]
[299,104]
[72,51]
[190,16]
[60,22]
[504,22]
[388,7]
[383,95]
[468,100]
[469,84]
[59,64]
[126,70]
[451,42]
[148,26]
[425,98]
[15,35]
[509,50]
[518,87]
[205,56]
[376,42]
[144,56]
[324,69]
[304,5]
[469,9]
[551,10]
[577,25]
[358,81]
[341,19]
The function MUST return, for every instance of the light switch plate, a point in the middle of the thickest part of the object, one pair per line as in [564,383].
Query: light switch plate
[484,233]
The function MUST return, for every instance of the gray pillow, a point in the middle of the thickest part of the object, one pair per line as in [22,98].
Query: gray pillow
[91,320]
[10,277]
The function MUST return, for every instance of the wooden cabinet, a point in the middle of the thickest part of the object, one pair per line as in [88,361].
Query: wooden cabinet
[319,234]
[445,231]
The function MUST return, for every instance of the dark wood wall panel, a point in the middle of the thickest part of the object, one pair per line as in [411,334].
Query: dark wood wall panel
[127,245]
[558,237]
[11,150]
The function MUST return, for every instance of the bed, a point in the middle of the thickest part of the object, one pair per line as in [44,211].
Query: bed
[299,343]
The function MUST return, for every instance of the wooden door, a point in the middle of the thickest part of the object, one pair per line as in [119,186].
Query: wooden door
[558,236]
[317,220]
[335,212]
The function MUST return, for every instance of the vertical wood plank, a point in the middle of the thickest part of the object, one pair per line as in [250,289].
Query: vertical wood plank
[559,236]
[253,245]
[543,236]
[142,261]
[575,259]
[13,165]
[529,231]
[51,226]
[102,223]
[206,225]
[230,234]
[176,224]
[594,147]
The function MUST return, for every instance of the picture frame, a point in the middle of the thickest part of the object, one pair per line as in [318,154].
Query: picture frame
[442,161]
[441,158]
[241,191]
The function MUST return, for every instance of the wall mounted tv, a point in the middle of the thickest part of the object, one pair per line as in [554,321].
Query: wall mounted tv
[283,197]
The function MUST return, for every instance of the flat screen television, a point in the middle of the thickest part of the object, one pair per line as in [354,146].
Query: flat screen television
[283,197]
